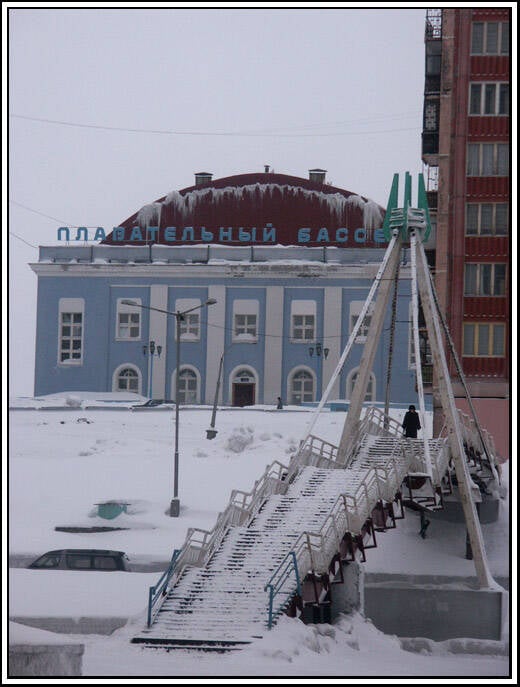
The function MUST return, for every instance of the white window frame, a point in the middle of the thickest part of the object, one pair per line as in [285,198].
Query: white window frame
[480,149]
[71,306]
[475,353]
[125,309]
[117,373]
[306,309]
[483,228]
[290,385]
[196,373]
[371,388]
[475,272]
[248,309]
[501,38]
[355,311]
[483,87]
[190,326]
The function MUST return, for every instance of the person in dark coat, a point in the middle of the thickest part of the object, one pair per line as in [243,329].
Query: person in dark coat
[411,423]
[279,404]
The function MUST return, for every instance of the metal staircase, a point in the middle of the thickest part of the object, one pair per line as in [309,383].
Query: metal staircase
[280,547]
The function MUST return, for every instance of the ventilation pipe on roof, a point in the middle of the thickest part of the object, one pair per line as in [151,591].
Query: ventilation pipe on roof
[317,175]
[203,178]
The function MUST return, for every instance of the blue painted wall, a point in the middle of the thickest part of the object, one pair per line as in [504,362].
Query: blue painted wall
[103,354]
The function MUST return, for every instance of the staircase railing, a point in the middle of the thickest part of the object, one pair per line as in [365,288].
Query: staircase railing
[313,551]
[159,591]
[200,544]
[280,583]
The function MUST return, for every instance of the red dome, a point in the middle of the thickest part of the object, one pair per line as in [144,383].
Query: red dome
[258,209]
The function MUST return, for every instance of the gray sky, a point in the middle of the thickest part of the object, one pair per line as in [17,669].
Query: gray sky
[340,89]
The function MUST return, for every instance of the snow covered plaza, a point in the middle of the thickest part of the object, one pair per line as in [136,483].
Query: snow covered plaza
[110,452]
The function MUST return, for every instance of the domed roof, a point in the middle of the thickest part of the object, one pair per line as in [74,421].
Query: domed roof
[262,208]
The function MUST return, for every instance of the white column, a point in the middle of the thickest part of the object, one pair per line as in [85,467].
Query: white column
[273,344]
[215,341]
[332,320]
[158,329]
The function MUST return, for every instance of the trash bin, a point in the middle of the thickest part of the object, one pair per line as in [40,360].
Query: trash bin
[111,509]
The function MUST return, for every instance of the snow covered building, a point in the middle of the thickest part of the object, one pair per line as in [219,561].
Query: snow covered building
[286,264]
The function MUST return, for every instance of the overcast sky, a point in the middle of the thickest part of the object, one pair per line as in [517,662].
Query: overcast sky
[226,91]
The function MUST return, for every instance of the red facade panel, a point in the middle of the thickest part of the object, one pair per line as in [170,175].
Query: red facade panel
[484,367]
[488,128]
[488,188]
[481,307]
[490,247]
[489,67]
[491,14]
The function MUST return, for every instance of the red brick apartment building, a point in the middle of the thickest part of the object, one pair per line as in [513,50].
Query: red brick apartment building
[466,155]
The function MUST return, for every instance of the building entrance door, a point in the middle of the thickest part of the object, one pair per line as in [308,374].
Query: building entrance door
[243,395]
[243,389]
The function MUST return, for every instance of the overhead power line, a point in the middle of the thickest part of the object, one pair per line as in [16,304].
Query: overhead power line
[173,132]
[61,221]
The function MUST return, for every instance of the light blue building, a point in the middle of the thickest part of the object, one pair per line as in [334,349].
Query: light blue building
[281,318]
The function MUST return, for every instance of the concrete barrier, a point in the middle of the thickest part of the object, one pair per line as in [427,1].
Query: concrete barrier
[436,611]
[33,660]
[88,625]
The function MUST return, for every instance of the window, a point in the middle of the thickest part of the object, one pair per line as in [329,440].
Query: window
[490,38]
[128,321]
[104,563]
[301,387]
[245,327]
[484,339]
[245,320]
[488,159]
[487,219]
[70,338]
[79,562]
[47,561]
[371,387]
[188,386]
[489,99]
[485,279]
[128,380]
[303,321]
[190,323]
[355,311]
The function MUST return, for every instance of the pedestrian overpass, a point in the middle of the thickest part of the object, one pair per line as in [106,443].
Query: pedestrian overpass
[282,547]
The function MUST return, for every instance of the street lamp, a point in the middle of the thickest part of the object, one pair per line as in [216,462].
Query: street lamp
[179,317]
[319,350]
[152,350]
[211,433]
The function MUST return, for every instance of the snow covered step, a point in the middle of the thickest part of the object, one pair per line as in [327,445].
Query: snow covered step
[197,609]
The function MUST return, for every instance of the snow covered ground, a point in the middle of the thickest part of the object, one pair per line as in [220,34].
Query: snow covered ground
[89,449]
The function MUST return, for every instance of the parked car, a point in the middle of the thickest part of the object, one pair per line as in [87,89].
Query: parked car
[153,403]
[81,559]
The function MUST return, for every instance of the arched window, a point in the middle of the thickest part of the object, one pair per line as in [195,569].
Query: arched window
[301,387]
[188,386]
[370,395]
[126,378]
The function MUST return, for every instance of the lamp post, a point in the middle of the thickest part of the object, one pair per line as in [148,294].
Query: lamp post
[152,350]
[179,317]
[211,433]
[319,350]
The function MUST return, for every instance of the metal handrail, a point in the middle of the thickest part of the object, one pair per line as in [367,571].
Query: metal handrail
[159,591]
[313,551]
[284,573]
[200,544]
